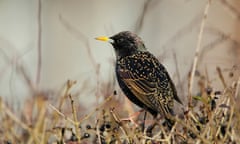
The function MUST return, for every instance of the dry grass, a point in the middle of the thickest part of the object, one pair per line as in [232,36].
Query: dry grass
[214,118]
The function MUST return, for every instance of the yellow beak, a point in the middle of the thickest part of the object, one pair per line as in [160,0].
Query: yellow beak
[103,38]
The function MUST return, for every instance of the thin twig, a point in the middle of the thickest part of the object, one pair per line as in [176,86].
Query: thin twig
[233,10]
[61,114]
[14,118]
[237,88]
[219,71]
[198,47]
[76,123]
[178,73]
[69,85]
[39,44]
[148,5]
[193,130]
[80,36]
[122,127]
[229,122]
[183,31]
[98,133]
[18,121]
[96,109]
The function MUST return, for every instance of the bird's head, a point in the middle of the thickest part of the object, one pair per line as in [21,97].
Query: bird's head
[124,43]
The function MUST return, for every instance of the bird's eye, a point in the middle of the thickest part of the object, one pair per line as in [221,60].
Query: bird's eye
[120,40]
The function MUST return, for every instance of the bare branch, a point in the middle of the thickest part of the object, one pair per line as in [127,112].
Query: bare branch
[39,44]
[148,5]
[198,47]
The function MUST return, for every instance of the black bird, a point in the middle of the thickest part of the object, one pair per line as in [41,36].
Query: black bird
[143,79]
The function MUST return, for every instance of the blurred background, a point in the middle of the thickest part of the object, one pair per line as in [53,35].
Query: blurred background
[44,43]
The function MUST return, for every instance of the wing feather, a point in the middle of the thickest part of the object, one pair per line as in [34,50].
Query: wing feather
[141,88]
[149,81]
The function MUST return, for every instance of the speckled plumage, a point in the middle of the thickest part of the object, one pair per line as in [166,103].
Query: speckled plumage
[146,82]
[142,78]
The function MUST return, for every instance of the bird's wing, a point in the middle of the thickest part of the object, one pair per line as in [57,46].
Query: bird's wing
[142,88]
[165,82]
[149,81]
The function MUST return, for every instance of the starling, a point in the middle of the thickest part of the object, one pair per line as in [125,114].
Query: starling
[142,78]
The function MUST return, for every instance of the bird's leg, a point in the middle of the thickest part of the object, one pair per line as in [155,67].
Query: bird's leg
[130,118]
[152,126]
[169,123]
[144,119]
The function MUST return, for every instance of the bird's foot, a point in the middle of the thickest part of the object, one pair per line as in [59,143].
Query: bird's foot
[150,128]
[132,117]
